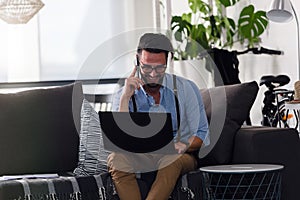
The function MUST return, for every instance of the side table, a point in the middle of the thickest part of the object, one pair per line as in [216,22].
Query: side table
[244,181]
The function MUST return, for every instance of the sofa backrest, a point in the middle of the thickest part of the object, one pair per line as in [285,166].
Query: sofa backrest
[39,130]
[227,107]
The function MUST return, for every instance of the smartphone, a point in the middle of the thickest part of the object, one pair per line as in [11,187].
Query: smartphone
[137,65]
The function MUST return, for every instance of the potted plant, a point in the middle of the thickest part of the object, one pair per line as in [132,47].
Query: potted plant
[206,32]
[206,27]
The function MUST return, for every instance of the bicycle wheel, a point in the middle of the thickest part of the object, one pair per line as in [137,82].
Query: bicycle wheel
[268,113]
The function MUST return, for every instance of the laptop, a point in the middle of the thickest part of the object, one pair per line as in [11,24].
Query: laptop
[137,132]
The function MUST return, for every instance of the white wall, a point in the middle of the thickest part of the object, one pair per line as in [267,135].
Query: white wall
[278,36]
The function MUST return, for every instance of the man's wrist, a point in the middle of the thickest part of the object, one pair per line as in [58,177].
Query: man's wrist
[124,103]
[125,97]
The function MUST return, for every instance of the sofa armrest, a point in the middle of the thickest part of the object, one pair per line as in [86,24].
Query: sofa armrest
[269,145]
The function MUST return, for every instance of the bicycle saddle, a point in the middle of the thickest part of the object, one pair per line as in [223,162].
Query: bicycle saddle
[274,81]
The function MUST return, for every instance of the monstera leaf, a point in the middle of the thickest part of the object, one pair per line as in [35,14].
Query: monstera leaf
[251,24]
[182,26]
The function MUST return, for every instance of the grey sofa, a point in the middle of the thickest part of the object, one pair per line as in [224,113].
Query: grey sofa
[40,133]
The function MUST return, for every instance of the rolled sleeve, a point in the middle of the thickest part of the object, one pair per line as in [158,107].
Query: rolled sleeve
[195,115]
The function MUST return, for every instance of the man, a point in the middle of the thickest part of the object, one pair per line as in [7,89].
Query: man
[149,89]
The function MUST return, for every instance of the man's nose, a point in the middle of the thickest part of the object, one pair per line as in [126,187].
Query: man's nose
[153,73]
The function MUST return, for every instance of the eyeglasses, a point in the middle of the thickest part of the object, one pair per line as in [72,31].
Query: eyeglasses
[149,68]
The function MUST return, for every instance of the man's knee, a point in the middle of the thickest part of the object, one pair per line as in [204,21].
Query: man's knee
[183,161]
[119,161]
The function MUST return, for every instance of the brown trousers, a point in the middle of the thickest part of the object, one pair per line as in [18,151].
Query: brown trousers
[123,168]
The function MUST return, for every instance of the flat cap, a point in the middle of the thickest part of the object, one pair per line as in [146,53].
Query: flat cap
[155,41]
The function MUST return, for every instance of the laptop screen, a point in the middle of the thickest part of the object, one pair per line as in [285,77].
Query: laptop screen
[137,132]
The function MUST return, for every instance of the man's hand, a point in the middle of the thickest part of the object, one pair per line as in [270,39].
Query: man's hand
[131,84]
[180,147]
[194,144]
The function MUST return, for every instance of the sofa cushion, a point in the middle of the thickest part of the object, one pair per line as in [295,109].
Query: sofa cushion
[227,107]
[92,155]
[39,130]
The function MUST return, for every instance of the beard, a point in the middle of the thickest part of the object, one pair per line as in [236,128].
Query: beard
[152,84]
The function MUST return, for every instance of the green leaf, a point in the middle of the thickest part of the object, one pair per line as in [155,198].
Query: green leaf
[180,25]
[228,3]
[198,34]
[199,5]
[231,25]
[192,49]
[230,28]
[187,17]
[178,36]
[251,24]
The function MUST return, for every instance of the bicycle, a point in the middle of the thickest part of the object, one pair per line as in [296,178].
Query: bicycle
[273,111]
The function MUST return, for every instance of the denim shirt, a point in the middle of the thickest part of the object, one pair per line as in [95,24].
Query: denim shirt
[193,120]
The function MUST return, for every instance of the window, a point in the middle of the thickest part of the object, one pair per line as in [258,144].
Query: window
[88,39]
[69,40]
